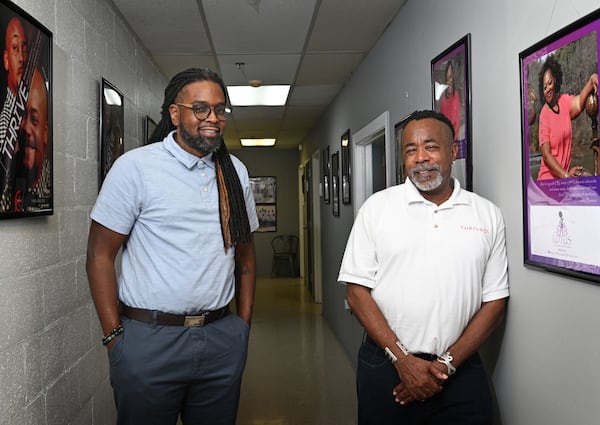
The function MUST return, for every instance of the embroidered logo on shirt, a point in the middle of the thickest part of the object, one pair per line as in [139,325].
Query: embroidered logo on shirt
[472,228]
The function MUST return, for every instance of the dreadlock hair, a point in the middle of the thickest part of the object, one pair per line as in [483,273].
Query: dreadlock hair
[235,227]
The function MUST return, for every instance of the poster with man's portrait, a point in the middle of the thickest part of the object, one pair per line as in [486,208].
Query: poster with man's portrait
[451,95]
[561,179]
[26,115]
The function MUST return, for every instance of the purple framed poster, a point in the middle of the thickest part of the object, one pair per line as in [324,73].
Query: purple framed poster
[559,122]
[451,95]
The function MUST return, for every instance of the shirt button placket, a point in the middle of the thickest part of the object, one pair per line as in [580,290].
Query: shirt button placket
[203,181]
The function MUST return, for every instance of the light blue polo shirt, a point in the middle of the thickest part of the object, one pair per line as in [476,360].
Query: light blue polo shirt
[167,201]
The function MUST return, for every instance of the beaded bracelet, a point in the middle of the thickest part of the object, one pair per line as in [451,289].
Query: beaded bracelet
[112,335]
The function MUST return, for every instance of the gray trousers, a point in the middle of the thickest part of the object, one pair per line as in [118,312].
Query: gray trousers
[159,372]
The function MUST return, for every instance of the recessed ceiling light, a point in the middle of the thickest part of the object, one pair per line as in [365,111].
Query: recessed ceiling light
[258,142]
[258,96]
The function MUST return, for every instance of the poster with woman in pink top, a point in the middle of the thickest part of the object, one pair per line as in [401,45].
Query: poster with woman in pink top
[561,176]
[451,95]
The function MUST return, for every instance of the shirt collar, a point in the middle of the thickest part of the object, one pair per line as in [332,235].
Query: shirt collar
[458,196]
[183,156]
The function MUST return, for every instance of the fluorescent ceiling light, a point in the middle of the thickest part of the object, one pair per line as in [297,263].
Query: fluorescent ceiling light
[258,142]
[258,96]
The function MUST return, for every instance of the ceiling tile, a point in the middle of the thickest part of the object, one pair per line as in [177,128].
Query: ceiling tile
[351,26]
[256,26]
[321,68]
[270,69]
[185,32]
[172,64]
[314,95]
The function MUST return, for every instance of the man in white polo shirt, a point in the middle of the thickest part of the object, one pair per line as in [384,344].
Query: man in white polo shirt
[426,273]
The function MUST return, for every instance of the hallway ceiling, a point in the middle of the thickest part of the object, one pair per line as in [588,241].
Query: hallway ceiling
[314,45]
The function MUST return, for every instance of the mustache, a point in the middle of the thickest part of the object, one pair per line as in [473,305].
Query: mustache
[425,168]
[209,127]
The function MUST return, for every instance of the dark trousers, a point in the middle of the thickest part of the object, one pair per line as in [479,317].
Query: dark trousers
[465,400]
[159,372]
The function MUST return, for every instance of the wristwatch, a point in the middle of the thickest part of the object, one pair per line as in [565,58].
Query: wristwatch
[447,358]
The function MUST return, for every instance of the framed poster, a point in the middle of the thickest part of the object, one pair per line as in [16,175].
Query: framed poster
[326,173]
[149,127]
[335,184]
[398,128]
[267,217]
[346,178]
[264,189]
[451,95]
[559,122]
[26,127]
[112,124]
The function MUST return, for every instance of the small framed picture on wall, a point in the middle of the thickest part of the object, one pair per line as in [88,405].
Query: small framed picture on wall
[149,127]
[112,126]
[335,184]
[346,178]
[326,173]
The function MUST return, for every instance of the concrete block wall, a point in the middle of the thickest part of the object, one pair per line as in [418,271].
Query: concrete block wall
[53,368]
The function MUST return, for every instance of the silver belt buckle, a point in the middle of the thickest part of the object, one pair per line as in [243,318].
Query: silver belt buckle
[194,320]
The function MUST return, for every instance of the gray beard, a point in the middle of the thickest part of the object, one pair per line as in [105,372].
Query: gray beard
[429,185]
[202,144]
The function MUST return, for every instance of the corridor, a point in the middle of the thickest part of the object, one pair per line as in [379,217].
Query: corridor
[297,372]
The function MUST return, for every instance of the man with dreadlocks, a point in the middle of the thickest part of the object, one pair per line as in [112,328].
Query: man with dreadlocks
[183,211]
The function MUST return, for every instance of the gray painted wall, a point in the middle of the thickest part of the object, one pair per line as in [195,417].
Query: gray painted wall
[53,369]
[543,361]
[283,164]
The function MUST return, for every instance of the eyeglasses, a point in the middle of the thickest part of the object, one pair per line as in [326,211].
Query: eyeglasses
[202,111]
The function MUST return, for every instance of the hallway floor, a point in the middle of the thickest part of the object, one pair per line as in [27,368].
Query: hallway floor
[297,372]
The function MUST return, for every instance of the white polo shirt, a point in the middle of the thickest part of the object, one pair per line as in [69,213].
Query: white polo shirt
[429,267]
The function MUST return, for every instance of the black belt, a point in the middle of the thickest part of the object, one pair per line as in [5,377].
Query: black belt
[424,356]
[167,319]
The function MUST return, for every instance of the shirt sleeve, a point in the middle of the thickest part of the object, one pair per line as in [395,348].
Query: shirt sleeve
[119,201]
[495,279]
[360,263]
